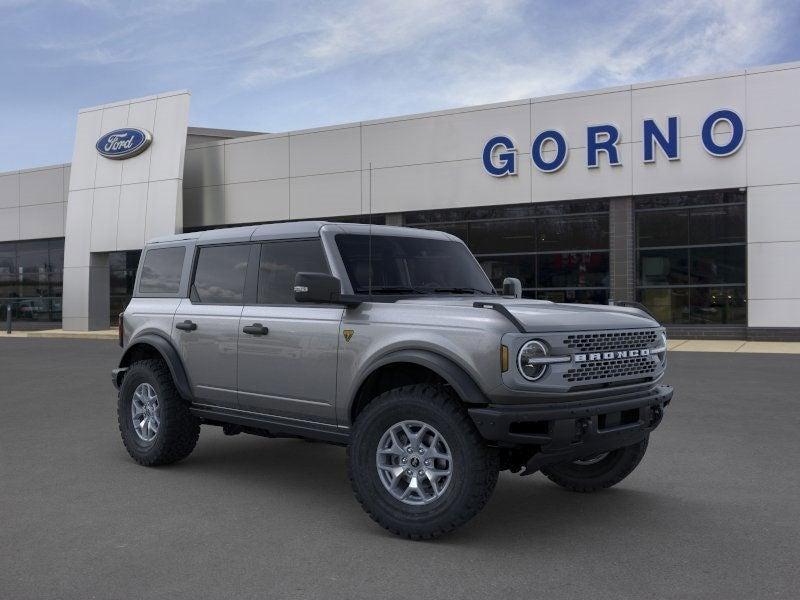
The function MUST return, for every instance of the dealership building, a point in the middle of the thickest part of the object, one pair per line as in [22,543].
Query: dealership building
[683,195]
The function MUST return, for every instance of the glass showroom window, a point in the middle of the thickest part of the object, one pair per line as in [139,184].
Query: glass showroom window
[122,269]
[559,251]
[691,257]
[31,278]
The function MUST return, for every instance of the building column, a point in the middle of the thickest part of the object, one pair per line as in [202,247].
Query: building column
[622,255]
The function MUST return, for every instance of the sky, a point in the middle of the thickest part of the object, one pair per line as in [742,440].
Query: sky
[284,65]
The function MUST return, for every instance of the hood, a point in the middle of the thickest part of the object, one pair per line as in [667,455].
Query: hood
[543,316]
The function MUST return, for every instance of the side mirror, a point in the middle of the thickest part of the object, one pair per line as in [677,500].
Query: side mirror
[512,287]
[321,288]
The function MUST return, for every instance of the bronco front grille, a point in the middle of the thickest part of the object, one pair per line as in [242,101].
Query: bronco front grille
[611,340]
[617,368]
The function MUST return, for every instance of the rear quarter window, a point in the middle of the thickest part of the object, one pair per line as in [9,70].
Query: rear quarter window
[161,270]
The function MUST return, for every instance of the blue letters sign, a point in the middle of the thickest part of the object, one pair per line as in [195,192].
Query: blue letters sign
[123,143]
[500,153]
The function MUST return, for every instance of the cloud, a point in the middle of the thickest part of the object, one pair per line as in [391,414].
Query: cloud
[325,39]
[274,65]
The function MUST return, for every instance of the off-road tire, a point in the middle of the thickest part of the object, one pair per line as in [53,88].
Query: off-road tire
[179,429]
[475,465]
[595,477]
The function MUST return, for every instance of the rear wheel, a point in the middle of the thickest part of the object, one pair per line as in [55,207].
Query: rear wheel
[417,464]
[156,425]
[597,472]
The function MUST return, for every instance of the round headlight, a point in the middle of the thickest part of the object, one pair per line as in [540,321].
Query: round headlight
[662,356]
[532,350]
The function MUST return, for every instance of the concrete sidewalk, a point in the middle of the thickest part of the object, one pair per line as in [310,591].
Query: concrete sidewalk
[103,334]
[733,346]
[674,345]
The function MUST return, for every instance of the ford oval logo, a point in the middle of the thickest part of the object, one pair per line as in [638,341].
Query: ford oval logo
[123,143]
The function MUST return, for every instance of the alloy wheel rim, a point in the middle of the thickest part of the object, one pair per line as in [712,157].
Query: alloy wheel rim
[145,412]
[414,462]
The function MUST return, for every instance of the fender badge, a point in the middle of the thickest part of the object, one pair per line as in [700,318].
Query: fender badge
[347,333]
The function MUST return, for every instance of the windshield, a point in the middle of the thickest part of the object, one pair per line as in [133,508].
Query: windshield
[411,265]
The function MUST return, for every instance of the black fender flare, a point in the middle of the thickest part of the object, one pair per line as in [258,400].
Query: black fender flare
[461,382]
[168,353]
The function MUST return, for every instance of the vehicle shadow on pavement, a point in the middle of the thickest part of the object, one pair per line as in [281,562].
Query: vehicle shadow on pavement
[530,508]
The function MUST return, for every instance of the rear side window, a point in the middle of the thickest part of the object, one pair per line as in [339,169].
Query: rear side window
[220,274]
[161,270]
[281,261]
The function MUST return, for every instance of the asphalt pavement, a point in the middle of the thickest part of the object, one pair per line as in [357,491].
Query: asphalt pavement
[712,512]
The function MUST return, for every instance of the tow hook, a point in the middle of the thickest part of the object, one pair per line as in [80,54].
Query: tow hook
[581,427]
[656,414]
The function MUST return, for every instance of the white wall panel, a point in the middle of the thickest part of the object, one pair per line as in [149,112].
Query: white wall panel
[141,115]
[445,137]
[697,170]
[84,157]
[109,171]
[132,215]
[773,313]
[445,185]
[773,156]
[204,166]
[9,224]
[692,101]
[575,180]
[261,159]
[169,137]
[257,201]
[9,190]
[79,218]
[41,221]
[44,186]
[326,151]
[773,213]
[203,206]
[335,194]
[163,204]
[773,99]
[571,115]
[773,270]
[105,214]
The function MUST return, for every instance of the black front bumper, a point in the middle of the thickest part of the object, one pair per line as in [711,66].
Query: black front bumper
[568,431]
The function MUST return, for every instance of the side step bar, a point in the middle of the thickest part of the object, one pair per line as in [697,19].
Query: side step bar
[272,425]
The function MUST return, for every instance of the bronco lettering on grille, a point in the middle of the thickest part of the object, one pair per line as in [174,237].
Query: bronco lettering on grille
[611,355]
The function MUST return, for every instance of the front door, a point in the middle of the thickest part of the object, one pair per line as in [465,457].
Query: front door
[288,352]
[206,325]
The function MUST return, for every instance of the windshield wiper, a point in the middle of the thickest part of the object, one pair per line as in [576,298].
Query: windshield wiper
[390,289]
[461,290]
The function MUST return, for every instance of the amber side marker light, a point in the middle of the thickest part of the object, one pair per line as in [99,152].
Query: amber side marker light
[504,358]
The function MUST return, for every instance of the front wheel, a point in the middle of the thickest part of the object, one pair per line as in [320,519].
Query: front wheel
[417,464]
[597,472]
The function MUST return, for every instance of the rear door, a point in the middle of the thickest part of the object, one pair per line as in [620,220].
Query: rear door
[206,325]
[288,351]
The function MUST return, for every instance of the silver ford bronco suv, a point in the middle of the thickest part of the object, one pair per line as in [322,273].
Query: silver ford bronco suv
[393,342]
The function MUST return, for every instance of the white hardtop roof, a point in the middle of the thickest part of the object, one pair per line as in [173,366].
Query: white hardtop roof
[290,230]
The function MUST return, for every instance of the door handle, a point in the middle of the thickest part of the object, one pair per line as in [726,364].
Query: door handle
[255,329]
[186,326]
